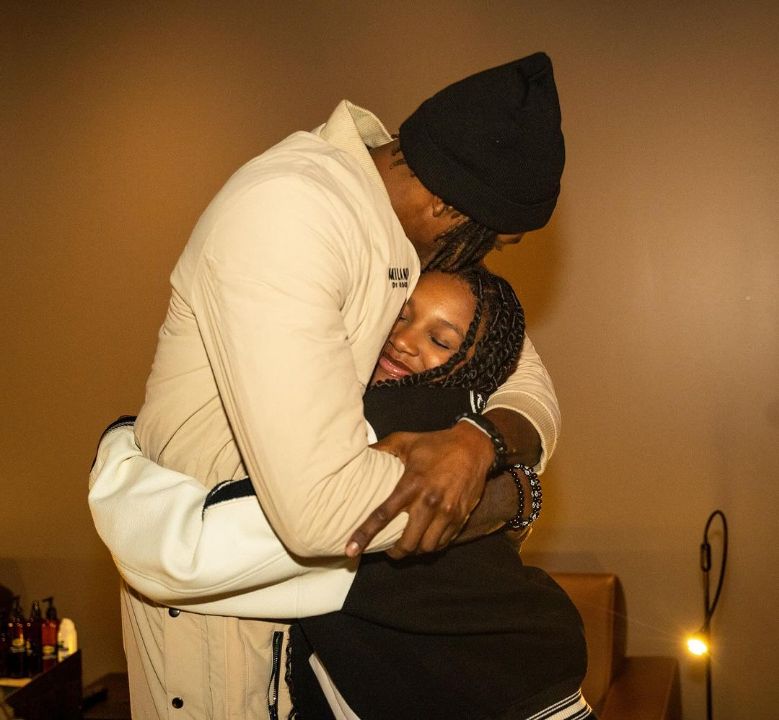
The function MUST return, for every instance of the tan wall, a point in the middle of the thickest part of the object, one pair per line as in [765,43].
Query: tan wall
[652,296]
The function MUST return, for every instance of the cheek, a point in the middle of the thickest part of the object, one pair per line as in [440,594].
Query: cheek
[435,357]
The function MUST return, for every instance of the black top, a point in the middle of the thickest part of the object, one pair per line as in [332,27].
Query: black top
[469,632]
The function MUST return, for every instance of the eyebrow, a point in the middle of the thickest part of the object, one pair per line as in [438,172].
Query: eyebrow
[443,321]
[453,326]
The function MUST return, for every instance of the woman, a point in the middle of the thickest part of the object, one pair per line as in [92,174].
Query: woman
[468,632]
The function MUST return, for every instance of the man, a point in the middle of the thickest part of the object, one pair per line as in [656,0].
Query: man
[281,302]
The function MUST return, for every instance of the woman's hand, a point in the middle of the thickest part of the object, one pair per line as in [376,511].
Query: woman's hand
[443,482]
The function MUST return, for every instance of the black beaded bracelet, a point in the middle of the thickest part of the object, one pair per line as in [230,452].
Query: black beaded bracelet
[519,521]
[496,437]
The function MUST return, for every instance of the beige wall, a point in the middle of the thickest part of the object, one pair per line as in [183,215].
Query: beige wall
[652,296]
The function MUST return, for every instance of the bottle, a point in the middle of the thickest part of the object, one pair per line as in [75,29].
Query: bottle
[17,655]
[67,640]
[4,646]
[32,637]
[49,629]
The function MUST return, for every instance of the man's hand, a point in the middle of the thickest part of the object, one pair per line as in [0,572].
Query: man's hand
[443,482]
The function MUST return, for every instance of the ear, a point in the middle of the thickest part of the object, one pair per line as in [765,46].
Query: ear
[439,208]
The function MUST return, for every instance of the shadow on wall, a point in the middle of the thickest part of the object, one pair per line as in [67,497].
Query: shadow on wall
[11,579]
[536,267]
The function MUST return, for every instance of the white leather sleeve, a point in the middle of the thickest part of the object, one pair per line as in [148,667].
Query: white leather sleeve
[168,548]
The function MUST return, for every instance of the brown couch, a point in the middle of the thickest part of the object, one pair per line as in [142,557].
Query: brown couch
[617,686]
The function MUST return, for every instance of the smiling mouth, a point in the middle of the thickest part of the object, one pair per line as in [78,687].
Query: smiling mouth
[393,368]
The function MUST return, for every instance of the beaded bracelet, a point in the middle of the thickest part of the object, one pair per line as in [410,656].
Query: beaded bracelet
[491,431]
[519,522]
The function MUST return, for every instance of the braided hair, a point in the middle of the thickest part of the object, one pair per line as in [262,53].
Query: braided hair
[462,246]
[496,334]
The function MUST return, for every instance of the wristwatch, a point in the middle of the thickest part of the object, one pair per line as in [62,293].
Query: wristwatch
[491,431]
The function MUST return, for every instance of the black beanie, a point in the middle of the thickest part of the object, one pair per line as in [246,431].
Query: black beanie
[491,145]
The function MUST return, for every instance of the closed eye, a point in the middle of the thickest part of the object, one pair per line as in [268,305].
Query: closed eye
[405,310]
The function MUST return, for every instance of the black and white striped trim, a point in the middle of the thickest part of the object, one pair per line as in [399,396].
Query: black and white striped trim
[121,421]
[478,401]
[229,490]
[573,707]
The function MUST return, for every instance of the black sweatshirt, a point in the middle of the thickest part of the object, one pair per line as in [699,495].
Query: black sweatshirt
[468,632]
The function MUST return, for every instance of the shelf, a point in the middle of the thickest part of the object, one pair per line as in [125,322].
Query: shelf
[14,682]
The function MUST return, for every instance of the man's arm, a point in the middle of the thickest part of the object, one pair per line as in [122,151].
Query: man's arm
[275,273]
[523,443]
[524,409]
[497,506]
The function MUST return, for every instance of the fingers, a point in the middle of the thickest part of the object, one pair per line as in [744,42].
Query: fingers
[432,525]
[449,533]
[419,523]
[431,519]
[378,520]
[439,488]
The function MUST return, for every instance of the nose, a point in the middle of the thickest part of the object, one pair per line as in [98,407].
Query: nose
[504,239]
[404,340]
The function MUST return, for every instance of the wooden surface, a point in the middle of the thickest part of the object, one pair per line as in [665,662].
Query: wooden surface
[111,695]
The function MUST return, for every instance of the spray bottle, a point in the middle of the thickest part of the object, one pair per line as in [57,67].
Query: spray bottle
[4,643]
[32,637]
[67,640]
[17,654]
[49,629]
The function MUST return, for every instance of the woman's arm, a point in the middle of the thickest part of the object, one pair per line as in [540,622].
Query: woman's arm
[211,552]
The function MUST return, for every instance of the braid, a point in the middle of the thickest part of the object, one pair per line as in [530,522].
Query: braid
[462,246]
[497,352]
[436,374]
[499,313]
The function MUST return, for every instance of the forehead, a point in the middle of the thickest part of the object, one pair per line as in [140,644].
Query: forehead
[444,295]
[435,282]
